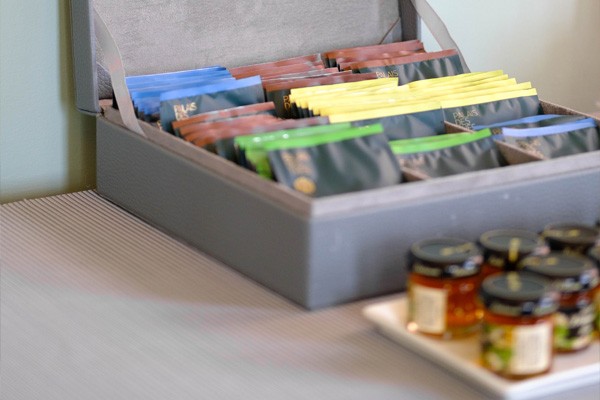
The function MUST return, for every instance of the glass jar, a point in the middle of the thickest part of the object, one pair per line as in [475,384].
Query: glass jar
[517,328]
[575,277]
[504,248]
[594,254]
[570,237]
[442,287]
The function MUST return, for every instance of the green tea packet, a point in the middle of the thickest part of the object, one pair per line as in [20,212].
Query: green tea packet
[345,161]
[251,152]
[447,154]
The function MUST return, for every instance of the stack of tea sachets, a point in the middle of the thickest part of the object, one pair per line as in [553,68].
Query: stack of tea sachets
[421,107]
[173,96]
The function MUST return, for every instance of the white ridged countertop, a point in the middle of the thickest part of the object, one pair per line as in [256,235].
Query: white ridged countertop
[97,304]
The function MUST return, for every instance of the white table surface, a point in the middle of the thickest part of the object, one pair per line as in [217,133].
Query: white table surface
[96,304]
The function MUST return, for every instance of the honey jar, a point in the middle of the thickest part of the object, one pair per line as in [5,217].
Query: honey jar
[594,254]
[517,326]
[504,248]
[575,278]
[570,237]
[442,287]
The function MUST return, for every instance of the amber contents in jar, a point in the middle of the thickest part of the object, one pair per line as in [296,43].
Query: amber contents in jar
[594,254]
[517,327]
[442,288]
[574,277]
[504,248]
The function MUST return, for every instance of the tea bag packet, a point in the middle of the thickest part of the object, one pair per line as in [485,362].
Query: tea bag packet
[448,154]
[413,68]
[180,79]
[147,99]
[252,109]
[301,75]
[251,153]
[301,97]
[243,71]
[279,92]
[493,108]
[408,125]
[180,104]
[137,79]
[337,163]
[345,63]
[198,132]
[224,144]
[273,71]
[536,121]
[554,141]
[330,57]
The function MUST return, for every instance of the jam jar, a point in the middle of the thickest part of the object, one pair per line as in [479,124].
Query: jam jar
[517,326]
[570,237]
[442,287]
[504,248]
[574,277]
[594,254]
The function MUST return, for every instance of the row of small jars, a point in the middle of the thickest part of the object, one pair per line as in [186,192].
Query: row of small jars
[529,295]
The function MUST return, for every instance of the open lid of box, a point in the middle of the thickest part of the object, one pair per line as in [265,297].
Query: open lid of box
[177,35]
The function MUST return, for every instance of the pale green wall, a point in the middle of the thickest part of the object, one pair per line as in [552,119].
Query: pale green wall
[47,147]
[555,44]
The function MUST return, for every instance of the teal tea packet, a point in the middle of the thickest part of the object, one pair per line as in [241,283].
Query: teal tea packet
[345,161]
[180,104]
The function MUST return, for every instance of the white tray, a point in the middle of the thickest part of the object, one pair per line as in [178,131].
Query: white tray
[461,356]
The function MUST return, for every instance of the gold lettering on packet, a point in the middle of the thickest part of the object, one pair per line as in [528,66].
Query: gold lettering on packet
[183,110]
[380,74]
[305,185]
[287,105]
[298,163]
[463,119]
[531,146]
[413,162]
[392,74]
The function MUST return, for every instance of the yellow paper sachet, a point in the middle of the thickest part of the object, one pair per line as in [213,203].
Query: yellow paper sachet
[304,101]
[344,104]
[364,106]
[499,80]
[468,77]
[478,92]
[384,112]
[487,98]
[341,87]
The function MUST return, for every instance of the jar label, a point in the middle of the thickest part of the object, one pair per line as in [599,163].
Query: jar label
[573,327]
[517,349]
[597,302]
[428,308]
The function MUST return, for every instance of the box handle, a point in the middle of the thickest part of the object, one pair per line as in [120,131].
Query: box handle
[114,64]
[438,28]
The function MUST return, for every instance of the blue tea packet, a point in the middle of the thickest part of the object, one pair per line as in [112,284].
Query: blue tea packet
[135,79]
[550,130]
[554,141]
[534,121]
[180,104]
[146,85]
[153,93]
